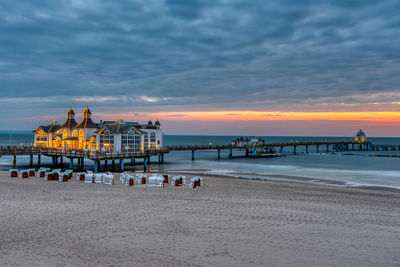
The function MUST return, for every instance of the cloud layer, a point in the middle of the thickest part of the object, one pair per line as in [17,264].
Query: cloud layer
[181,55]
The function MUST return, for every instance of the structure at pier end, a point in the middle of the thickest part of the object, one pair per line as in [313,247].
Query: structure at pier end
[107,136]
[360,137]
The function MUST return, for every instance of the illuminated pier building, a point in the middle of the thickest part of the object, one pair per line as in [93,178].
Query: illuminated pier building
[360,137]
[108,136]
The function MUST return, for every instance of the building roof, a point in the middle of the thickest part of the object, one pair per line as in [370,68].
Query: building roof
[70,122]
[119,126]
[51,128]
[360,133]
[87,120]
[157,123]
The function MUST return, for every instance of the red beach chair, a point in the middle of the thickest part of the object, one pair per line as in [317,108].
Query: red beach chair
[165,178]
[65,178]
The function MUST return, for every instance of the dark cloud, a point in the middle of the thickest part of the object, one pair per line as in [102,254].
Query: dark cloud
[199,55]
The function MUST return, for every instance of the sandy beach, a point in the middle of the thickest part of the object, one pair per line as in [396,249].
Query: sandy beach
[226,222]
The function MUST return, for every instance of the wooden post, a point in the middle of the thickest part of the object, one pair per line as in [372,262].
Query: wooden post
[38,160]
[31,161]
[327,147]
[132,162]
[113,164]
[219,153]
[14,161]
[230,153]
[317,148]
[71,163]
[192,154]
[307,149]
[61,160]
[106,164]
[294,149]
[82,163]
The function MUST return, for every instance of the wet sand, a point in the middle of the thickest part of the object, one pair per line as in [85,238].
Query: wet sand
[226,222]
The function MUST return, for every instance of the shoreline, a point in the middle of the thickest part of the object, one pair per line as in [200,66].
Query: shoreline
[289,179]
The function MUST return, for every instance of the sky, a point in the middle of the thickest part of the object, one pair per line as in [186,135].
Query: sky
[256,67]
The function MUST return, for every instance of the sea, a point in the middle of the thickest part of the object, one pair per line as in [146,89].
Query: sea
[377,169]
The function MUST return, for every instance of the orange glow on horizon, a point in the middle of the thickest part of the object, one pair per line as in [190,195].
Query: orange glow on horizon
[260,116]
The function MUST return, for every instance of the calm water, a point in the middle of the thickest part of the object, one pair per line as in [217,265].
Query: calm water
[326,168]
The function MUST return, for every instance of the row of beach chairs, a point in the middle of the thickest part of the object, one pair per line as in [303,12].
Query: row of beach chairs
[96,178]
[155,180]
[158,180]
[14,173]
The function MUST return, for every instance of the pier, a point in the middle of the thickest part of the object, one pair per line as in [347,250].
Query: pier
[76,158]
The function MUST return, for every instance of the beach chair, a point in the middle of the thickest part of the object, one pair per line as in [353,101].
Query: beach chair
[166,178]
[98,178]
[80,176]
[69,172]
[41,173]
[156,181]
[196,181]
[178,180]
[31,172]
[88,178]
[23,174]
[140,178]
[13,173]
[108,179]
[129,180]
[63,177]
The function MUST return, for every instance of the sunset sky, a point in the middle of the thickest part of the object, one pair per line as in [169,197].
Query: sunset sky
[204,67]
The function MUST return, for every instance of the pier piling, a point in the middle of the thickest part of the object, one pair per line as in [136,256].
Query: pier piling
[121,163]
[219,153]
[71,163]
[30,160]
[145,164]
[38,160]
[192,154]
[14,161]
[230,153]
[96,166]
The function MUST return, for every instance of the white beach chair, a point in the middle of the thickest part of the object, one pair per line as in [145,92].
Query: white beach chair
[156,181]
[98,178]
[108,179]
[88,178]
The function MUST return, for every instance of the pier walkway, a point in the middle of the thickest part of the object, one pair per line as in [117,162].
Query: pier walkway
[57,155]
